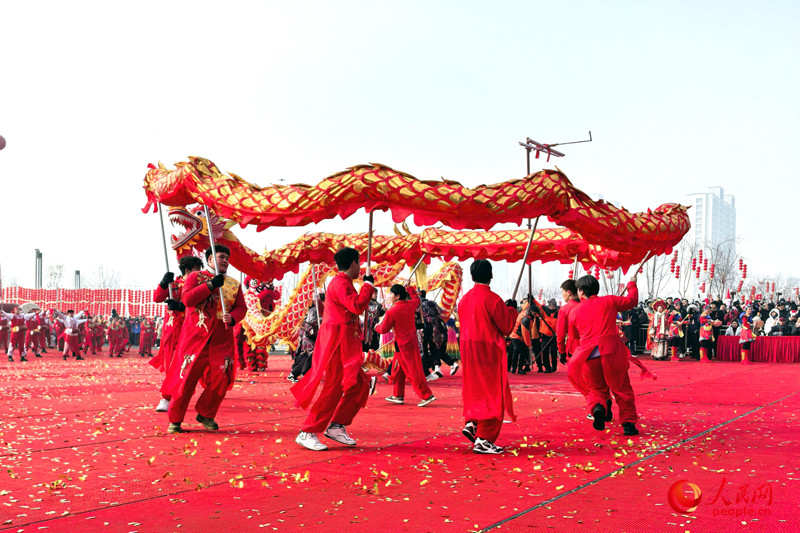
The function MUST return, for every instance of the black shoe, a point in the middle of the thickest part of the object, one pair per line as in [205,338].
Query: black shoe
[175,428]
[23,359]
[11,359]
[119,355]
[373,381]
[629,428]
[65,357]
[599,415]
[38,355]
[540,371]
[563,360]
[609,414]
[208,423]
[470,430]
[79,358]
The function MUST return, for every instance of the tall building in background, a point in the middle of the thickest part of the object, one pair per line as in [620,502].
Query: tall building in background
[713,216]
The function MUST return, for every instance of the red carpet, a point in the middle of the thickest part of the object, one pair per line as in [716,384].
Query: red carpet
[83,448]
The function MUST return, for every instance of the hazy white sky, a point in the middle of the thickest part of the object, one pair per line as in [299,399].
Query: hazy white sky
[679,96]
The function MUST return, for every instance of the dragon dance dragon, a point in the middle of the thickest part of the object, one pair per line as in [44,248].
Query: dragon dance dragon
[616,237]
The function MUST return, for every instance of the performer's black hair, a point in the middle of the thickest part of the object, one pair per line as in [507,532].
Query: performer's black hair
[220,248]
[481,271]
[399,291]
[588,284]
[345,257]
[569,285]
[188,263]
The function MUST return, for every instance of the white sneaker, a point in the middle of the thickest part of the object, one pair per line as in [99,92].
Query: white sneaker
[385,377]
[426,401]
[438,371]
[433,376]
[310,441]
[395,399]
[454,368]
[484,446]
[338,433]
[163,406]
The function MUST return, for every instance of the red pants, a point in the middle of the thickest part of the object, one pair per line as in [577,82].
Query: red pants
[34,340]
[611,371]
[409,363]
[209,401]
[17,341]
[335,404]
[488,429]
[72,344]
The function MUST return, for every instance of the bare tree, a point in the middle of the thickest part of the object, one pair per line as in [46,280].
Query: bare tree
[55,274]
[723,257]
[657,274]
[103,278]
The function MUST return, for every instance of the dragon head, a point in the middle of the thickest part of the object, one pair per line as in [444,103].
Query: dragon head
[194,238]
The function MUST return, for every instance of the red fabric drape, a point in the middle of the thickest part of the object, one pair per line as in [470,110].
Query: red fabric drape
[763,350]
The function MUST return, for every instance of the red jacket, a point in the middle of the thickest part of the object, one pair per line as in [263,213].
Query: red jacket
[203,328]
[594,324]
[485,323]
[401,317]
[340,332]
[566,343]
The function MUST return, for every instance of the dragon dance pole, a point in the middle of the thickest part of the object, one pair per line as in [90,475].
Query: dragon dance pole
[369,261]
[525,259]
[411,275]
[214,254]
[575,268]
[316,299]
[164,240]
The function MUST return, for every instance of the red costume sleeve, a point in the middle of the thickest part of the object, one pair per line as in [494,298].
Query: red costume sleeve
[561,330]
[356,302]
[628,301]
[194,292]
[159,295]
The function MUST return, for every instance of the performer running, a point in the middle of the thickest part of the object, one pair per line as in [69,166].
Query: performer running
[173,320]
[206,343]
[400,318]
[338,356]
[601,358]
[485,323]
[33,338]
[72,323]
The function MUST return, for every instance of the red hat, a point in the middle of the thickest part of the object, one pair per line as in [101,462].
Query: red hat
[660,302]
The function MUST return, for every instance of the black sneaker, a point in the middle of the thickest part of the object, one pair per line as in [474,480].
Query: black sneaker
[208,423]
[470,431]
[599,415]
[629,428]
[23,359]
[291,378]
[609,414]
[486,447]
[79,358]
[11,359]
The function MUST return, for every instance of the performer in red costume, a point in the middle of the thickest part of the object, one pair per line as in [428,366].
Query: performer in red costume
[567,338]
[18,326]
[566,345]
[407,362]
[72,323]
[33,336]
[173,320]
[601,358]
[338,356]
[205,349]
[485,323]
[268,296]
[746,339]
[4,330]
[147,338]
